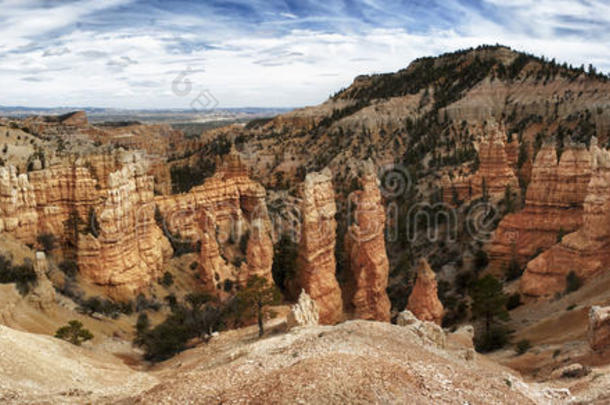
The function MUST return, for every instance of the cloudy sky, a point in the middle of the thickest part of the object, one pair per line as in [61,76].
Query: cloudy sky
[264,53]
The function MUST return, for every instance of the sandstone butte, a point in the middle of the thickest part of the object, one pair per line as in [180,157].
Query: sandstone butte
[367,261]
[495,169]
[225,208]
[129,249]
[423,301]
[315,263]
[553,204]
[586,251]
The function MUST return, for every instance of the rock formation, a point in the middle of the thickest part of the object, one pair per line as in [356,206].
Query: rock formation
[43,294]
[553,204]
[304,313]
[367,261]
[227,208]
[599,328]
[18,214]
[315,263]
[423,301]
[586,252]
[129,249]
[428,332]
[494,173]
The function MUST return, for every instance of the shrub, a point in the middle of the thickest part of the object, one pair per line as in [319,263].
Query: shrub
[74,333]
[513,271]
[523,346]
[481,260]
[22,275]
[47,241]
[514,300]
[194,266]
[69,268]
[167,280]
[184,323]
[573,282]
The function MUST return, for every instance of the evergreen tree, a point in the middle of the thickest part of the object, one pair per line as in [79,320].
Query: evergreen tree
[74,333]
[255,296]
[489,305]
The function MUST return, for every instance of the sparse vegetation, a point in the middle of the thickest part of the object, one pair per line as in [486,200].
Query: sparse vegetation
[22,275]
[74,333]
[523,346]
[489,307]
[573,282]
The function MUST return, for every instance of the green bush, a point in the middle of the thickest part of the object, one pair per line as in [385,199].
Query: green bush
[74,333]
[573,282]
[481,260]
[514,300]
[167,280]
[47,241]
[523,346]
[513,271]
[69,268]
[22,275]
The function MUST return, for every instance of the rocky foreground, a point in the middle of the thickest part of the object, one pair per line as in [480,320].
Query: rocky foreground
[353,362]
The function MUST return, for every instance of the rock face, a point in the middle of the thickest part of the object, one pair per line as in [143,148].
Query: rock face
[222,213]
[586,251]
[18,214]
[495,171]
[304,313]
[553,204]
[423,301]
[128,252]
[429,333]
[43,295]
[599,327]
[367,261]
[315,262]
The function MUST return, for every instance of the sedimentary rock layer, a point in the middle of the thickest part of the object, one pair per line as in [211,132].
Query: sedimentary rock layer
[586,252]
[494,174]
[128,250]
[316,263]
[553,205]
[367,261]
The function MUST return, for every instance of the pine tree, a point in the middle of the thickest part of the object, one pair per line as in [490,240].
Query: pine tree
[74,333]
[489,305]
[255,296]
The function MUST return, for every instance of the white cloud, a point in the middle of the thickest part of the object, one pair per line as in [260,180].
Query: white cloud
[269,64]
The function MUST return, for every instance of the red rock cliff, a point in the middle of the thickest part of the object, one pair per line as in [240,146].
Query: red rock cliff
[553,203]
[128,252]
[586,251]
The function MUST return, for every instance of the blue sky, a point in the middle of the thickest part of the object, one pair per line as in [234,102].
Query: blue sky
[132,53]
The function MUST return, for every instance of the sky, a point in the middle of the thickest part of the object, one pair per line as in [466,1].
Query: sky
[261,53]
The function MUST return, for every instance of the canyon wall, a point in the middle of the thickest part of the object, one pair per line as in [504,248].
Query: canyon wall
[553,205]
[221,214]
[129,249]
[367,262]
[315,264]
[18,215]
[586,252]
